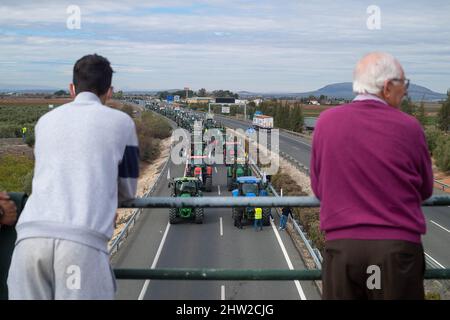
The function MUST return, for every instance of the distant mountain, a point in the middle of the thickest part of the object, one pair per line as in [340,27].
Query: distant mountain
[344,90]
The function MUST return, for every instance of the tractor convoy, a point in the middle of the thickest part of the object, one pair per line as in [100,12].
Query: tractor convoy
[206,136]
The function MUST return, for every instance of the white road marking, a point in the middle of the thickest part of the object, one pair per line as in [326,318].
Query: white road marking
[222,290]
[434,260]
[155,261]
[185,168]
[440,226]
[218,190]
[288,260]
[221,227]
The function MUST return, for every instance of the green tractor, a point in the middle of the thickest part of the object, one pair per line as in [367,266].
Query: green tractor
[236,170]
[186,187]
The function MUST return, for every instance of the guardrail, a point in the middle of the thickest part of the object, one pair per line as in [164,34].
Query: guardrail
[443,186]
[300,166]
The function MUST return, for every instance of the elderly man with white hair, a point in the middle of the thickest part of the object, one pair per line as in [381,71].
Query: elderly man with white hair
[371,170]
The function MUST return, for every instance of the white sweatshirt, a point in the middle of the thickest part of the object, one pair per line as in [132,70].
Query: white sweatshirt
[87,160]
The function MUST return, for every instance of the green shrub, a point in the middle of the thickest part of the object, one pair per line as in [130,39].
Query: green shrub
[27,182]
[442,152]
[13,169]
[151,129]
[432,134]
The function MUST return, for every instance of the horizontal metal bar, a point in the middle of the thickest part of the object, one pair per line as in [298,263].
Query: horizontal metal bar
[228,202]
[439,200]
[241,274]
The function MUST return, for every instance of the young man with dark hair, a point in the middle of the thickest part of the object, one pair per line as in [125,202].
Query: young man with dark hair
[87,161]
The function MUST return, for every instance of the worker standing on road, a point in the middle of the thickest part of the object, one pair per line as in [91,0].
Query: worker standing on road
[24,133]
[258,219]
[285,212]
[371,170]
[87,161]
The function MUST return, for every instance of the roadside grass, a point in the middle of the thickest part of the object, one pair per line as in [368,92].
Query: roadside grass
[13,171]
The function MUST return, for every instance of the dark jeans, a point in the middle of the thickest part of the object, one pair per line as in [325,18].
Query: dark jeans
[258,222]
[373,269]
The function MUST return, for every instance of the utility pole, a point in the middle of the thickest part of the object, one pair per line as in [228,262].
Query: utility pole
[187,92]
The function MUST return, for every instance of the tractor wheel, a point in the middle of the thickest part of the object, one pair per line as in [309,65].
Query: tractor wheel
[236,213]
[173,215]
[199,215]
[266,216]
[229,183]
[208,184]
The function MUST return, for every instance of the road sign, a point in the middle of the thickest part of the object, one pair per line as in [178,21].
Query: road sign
[225,109]
[170,99]
[225,100]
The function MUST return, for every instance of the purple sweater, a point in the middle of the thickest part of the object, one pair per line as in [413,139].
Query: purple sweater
[371,170]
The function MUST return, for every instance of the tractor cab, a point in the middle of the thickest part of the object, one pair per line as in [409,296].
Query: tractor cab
[200,170]
[186,187]
[250,186]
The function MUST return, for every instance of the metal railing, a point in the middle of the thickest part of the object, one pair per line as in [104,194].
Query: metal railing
[249,274]
[242,274]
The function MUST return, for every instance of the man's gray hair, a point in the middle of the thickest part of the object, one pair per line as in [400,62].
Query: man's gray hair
[373,70]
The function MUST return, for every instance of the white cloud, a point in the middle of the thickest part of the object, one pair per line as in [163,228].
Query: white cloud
[249,45]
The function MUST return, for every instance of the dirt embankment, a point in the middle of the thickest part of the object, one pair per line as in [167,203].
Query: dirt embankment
[15,147]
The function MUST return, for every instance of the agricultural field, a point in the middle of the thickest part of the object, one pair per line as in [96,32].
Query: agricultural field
[16,113]
[16,155]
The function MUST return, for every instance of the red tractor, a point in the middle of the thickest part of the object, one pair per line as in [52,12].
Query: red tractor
[201,170]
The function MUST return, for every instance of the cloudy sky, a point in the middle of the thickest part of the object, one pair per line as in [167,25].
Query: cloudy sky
[260,45]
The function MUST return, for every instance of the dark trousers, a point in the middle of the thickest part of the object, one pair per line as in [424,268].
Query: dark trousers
[373,269]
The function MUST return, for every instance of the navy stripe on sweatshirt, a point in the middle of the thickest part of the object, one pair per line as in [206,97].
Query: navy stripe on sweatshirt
[129,167]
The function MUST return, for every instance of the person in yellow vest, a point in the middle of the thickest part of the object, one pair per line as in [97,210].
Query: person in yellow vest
[24,132]
[258,219]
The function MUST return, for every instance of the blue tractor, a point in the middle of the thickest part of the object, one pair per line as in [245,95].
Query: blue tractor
[250,186]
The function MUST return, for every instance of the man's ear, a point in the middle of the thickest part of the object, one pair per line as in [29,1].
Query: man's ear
[73,94]
[110,92]
[387,89]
